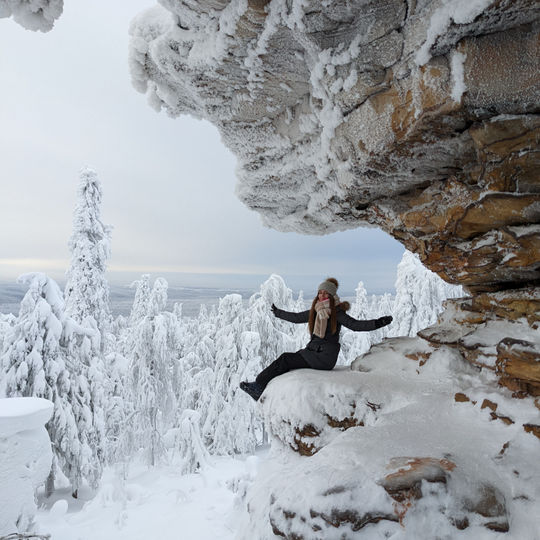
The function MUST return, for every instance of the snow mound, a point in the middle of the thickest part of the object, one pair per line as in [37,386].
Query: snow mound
[25,459]
[23,413]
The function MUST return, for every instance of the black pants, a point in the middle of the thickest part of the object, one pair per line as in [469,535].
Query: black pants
[286,362]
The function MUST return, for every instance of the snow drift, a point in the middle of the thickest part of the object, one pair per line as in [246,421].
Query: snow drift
[25,459]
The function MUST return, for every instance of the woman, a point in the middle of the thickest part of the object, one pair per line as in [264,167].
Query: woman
[325,318]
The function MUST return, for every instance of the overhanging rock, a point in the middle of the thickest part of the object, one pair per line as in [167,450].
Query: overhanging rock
[420,118]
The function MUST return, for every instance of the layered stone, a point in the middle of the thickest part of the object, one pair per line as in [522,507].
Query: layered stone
[498,331]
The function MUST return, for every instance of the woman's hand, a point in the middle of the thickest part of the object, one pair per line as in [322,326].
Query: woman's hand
[384,321]
[274,309]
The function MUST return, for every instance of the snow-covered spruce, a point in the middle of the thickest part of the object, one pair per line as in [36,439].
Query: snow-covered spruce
[42,358]
[87,291]
[149,385]
[355,343]
[419,296]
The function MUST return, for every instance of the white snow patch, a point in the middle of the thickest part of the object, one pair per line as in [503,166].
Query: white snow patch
[23,413]
[351,80]
[453,11]
[524,230]
[154,503]
[25,459]
[458,78]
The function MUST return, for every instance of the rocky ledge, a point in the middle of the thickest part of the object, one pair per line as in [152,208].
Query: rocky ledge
[391,448]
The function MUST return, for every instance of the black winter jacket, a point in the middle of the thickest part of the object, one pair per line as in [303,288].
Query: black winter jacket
[322,353]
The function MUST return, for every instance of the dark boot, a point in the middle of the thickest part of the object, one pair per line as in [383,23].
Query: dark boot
[254,389]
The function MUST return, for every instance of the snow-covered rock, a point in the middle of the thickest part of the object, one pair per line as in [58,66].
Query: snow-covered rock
[411,461]
[25,459]
[498,331]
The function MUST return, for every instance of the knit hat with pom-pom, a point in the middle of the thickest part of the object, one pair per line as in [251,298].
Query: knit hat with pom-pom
[330,285]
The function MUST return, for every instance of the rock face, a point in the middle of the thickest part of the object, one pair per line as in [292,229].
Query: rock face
[416,448]
[418,117]
[479,327]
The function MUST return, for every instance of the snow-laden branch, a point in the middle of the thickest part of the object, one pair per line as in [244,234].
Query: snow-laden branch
[36,15]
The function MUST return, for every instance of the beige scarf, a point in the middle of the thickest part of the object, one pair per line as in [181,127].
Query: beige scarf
[323,314]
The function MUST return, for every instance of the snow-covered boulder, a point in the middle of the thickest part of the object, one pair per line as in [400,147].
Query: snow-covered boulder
[394,452]
[25,459]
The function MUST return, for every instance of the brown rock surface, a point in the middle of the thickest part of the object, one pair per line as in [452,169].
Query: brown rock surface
[518,365]
[404,484]
[498,331]
[532,428]
[306,441]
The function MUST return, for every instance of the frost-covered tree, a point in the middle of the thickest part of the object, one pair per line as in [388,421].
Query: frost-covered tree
[419,296]
[87,290]
[354,344]
[150,387]
[238,429]
[50,355]
[197,361]
[379,307]
[189,442]
[239,343]
[229,323]
[32,14]
[142,297]
[115,408]
[90,388]
[34,363]
[276,336]
[250,427]
[7,321]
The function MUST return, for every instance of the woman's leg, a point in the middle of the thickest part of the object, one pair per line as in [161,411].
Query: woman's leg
[286,362]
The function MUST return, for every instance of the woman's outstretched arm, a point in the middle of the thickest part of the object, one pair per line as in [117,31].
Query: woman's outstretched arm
[302,317]
[362,326]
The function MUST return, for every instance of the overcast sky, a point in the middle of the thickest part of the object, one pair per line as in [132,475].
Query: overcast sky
[66,101]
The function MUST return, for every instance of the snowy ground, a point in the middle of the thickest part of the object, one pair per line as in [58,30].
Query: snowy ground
[154,503]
